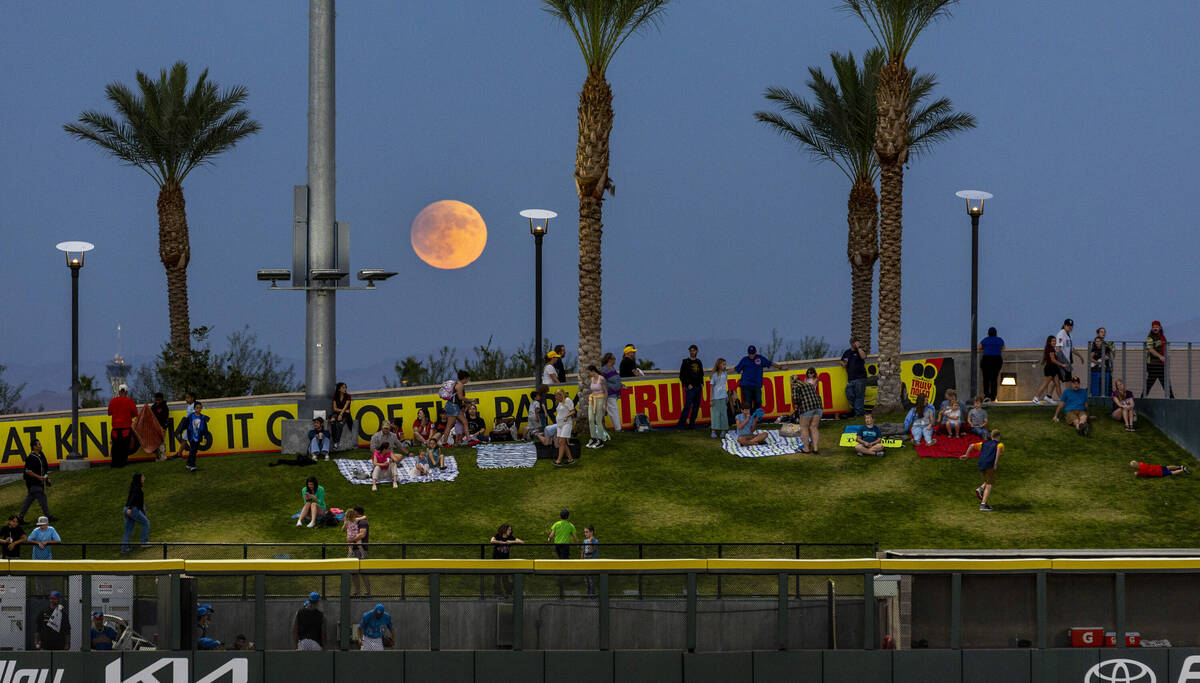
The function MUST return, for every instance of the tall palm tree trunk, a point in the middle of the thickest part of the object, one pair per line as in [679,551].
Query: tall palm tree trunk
[591,179]
[862,248]
[891,149]
[174,250]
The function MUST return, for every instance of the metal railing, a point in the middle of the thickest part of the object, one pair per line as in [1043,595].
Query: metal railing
[1176,377]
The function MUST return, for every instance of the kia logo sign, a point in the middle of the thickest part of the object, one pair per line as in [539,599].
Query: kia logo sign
[1120,671]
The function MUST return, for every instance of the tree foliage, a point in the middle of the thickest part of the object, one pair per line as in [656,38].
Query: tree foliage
[490,362]
[243,369]
[10,396]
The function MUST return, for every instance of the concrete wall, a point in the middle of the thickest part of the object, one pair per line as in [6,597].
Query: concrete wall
[1176,418]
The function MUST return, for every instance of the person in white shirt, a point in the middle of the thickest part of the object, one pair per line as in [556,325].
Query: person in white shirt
[564,414]
[1064,349]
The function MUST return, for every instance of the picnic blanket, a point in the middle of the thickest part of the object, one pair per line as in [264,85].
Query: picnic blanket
[359,471]
[850,440]
[948,447]
[774,445]
[514,454]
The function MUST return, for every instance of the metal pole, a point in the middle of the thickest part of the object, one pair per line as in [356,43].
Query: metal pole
[320,312]
[537,308]
[518,611]
[956,611]
[974,304]
[781,614]
[260,612]
[605,623]
[868,611]
[1041,610]
[74,362]
[1119,606]
[691,612]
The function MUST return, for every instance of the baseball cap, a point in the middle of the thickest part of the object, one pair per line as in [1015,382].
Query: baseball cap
[97,614]
[203,610]
[55,594]
[1068,321]
[751,349]
[552,354]
[43,520]
[379,608]
[629,348]
[1074,379]
[314,597]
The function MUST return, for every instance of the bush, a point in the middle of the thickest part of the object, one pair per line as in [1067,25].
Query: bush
[243,370]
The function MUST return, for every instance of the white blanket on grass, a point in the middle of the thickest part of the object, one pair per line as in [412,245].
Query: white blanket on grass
[359,471]
[509,454]
[774,445]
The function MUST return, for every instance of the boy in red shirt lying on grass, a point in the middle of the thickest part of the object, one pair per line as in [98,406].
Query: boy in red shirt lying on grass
[1144,470]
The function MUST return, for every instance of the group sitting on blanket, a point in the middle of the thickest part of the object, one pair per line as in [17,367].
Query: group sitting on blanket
[922,421]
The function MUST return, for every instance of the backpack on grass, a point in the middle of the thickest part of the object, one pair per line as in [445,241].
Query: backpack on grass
[641,423]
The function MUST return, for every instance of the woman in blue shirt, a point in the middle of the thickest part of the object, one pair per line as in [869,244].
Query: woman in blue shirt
[992,347]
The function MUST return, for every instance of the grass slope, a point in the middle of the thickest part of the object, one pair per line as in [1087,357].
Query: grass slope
[1055,490]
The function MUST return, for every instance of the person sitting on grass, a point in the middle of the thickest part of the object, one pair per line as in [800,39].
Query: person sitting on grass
[384,464]
[424,463]
[977,419]
[952,419]
[314,502]
[919,422]
[870,439]
[422,427]
[950,396]
[744,428]
[1123,411]
[318,439]
[477,431]
[1148,471]
[989,459]
[387,434]
[1074,400]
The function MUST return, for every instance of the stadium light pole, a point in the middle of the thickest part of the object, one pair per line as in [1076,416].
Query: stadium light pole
[539,230]
[974,199]
[74,252]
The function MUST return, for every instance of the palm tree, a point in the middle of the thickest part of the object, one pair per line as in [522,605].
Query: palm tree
[167,130]
[600,28]
[839,127]
[895,25]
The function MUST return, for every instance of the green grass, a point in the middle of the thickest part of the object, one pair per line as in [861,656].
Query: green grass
[1055,490]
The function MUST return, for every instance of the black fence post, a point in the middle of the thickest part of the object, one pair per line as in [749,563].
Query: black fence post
[435,614]
[641,555]
[691,612]
[720,554]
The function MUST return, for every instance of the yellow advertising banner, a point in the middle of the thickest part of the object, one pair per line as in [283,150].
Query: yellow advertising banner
[258,429]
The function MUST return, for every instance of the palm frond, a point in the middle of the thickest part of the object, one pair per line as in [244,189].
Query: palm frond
[165,128]
[600,27]
[895,24]
[931,122]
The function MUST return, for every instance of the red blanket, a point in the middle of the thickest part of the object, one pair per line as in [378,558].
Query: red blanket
[948,447]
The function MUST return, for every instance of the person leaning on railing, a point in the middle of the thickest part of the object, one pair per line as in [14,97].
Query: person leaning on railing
[1156,360]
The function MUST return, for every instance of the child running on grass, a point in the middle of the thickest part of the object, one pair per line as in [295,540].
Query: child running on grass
[989,459]
[590,550]
[1148,471]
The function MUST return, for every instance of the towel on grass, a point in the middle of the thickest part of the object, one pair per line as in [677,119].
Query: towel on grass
[359,471]
[948,447]
[495,455]
[774,445]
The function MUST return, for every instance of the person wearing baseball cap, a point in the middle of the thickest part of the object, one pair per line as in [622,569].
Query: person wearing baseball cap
[629,366]
[204,615]
[42,538]
[751,366]
[53,628]
[308,628]
[550,370]
[559,366]
[1064,350]
[103,635]
[1074,401]
[376,625]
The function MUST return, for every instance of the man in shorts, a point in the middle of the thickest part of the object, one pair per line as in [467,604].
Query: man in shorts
[1074,401]
[1064,349]
[1151,471]
[989,458]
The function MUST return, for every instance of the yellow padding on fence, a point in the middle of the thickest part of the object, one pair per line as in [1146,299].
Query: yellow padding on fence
[427,566]
[783,565]
[551,566]
[254,566]
[60,566]
[901,565]
[1126,563]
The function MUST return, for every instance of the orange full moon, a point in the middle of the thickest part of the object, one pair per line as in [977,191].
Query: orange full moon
[449,234]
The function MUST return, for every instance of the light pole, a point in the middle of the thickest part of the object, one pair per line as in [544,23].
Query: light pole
[74,252]
[538,230]
[974,199]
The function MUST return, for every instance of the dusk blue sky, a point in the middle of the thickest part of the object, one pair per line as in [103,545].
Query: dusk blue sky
[719,228]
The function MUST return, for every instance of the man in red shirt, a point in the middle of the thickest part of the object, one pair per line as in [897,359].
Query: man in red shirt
[1144,470]
[122,410]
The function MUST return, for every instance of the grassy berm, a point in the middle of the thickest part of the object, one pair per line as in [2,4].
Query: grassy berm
[1055,490]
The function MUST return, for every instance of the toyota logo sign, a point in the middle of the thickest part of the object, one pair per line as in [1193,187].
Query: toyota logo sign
[1120,671]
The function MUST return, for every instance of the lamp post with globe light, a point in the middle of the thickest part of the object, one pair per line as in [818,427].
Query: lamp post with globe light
[74,251]
[974,199]
[539,230]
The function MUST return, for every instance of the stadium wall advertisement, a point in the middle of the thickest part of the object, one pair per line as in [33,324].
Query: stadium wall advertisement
[258,429]
[1082,665]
